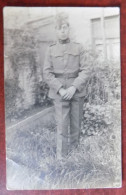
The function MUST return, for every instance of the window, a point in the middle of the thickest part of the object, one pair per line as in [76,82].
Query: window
[106,36]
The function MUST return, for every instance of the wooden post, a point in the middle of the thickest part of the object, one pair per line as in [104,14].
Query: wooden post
[103,34]
[92,35]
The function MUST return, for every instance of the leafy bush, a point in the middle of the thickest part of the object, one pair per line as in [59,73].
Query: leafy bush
[96,119]
[13,102]
[23,58]
[104,80]
[42,94]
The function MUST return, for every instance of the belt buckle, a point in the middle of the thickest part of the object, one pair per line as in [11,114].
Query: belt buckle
[66,76]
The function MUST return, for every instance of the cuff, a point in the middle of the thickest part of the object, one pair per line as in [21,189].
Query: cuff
[59,87]
[77,86]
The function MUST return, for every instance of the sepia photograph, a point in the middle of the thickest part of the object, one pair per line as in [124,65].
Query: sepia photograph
[62,83]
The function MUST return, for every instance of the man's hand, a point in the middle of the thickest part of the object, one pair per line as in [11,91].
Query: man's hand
[62,92]
[69,93]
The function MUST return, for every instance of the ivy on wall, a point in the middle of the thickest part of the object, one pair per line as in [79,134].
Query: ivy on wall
[24,89]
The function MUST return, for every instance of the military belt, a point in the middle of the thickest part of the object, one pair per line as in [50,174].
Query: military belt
[66,75]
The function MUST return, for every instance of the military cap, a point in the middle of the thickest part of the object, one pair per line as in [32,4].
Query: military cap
[60,19]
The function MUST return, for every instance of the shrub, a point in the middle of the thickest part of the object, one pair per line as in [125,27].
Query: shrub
[13,102]
[42,94]
[104,80]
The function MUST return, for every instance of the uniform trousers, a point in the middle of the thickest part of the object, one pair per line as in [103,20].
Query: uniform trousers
[68,115]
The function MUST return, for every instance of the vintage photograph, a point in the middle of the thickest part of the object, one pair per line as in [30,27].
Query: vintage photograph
[62,73]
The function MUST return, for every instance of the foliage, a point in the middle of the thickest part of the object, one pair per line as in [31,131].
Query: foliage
[98,156]
[23,48]
[42,94]
[102,85]
[23,58]
[95,163]
[12,94]
[96,119]
[104,80]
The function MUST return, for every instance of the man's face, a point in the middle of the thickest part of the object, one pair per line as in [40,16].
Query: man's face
[63,32]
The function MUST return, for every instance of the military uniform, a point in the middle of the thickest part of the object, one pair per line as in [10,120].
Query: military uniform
[64,67]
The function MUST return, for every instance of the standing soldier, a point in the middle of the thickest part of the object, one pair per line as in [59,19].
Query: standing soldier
[65,71]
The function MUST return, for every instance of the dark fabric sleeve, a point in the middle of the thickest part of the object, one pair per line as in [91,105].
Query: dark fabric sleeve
[49,74]
[83,71]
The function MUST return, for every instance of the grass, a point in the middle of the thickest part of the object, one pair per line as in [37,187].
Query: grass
[94,164]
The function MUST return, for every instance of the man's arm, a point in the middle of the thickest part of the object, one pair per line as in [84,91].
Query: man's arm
[78,83]
[83,71]
[49,73]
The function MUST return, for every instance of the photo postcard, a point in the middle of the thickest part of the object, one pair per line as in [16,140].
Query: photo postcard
[62,80]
